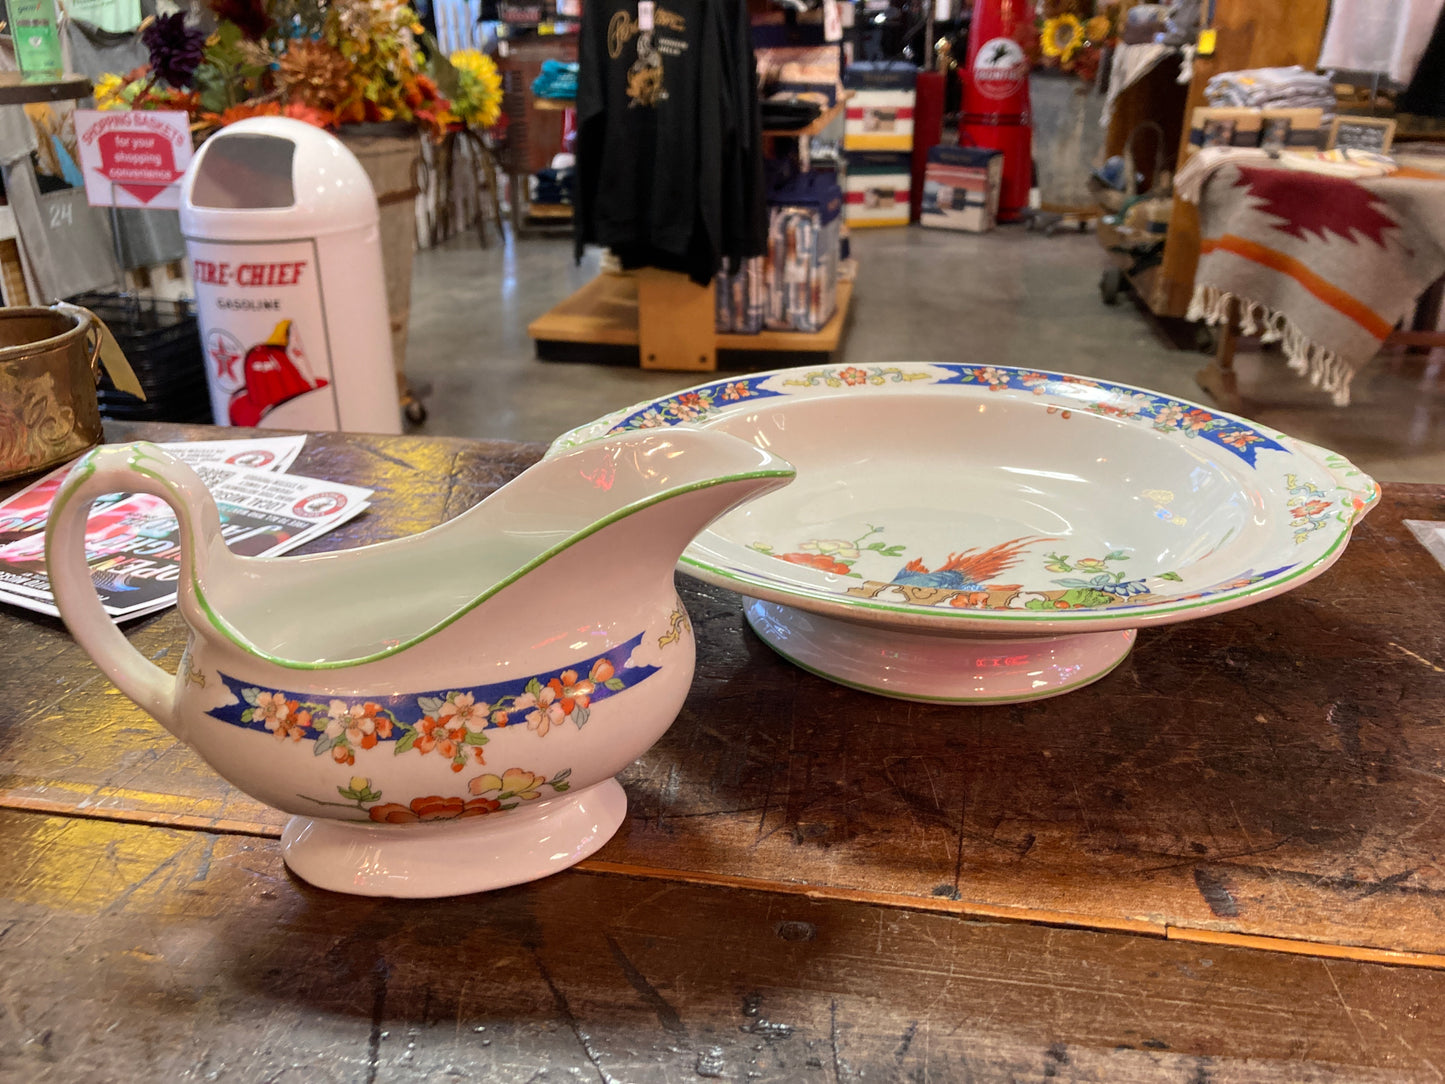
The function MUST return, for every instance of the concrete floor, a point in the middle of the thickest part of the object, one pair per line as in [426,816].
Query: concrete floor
[1009,297]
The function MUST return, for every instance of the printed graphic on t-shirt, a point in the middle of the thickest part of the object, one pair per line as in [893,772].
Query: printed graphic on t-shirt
[644,78]
[659,32]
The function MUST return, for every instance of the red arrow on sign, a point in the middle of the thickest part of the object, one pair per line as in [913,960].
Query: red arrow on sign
[142,163]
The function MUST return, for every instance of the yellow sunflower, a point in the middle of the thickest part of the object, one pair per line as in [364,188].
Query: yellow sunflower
[478,101]
[1062,37]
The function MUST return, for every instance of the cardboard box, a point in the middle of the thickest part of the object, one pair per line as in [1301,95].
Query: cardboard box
[1224,127]
[880,112]
[877,189]
[1282,129]
[961,189]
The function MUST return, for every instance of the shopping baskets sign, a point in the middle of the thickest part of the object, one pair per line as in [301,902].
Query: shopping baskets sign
[133,158]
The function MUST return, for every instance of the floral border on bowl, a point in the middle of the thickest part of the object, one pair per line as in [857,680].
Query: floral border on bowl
[1101,397]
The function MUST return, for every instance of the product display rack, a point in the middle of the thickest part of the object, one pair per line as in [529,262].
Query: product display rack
[550,213]
[15,91]
[670,321]
[534,132]
[815,127]
[24,283]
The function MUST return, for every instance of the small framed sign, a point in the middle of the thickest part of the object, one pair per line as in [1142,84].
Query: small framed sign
[1362,134]
[133,158]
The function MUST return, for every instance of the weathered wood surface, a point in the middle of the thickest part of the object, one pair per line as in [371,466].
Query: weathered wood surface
[1277,772]
[141,953]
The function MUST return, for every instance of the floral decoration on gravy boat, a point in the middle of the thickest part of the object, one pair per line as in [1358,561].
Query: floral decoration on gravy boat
[452,722]
[998,505]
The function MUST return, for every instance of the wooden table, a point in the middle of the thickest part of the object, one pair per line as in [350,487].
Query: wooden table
[1222,863]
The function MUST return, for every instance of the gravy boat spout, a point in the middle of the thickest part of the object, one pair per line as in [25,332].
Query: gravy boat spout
[442,713]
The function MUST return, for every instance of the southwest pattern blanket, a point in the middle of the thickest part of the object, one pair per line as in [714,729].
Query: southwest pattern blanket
[1325,265]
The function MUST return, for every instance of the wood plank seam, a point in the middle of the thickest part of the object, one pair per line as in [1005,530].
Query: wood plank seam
[39,806]
[1306,948]
[924,904]
[1030,916]
[885,899]
[941,905]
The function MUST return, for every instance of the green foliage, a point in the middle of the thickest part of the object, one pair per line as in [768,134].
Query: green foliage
[231,70]
[360,794]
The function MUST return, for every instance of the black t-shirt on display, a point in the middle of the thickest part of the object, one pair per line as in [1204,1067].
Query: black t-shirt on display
[668,139]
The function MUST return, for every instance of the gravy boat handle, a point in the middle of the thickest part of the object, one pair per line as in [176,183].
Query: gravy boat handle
[127,468]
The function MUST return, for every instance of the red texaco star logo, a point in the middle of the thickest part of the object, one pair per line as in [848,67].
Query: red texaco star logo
[225,352]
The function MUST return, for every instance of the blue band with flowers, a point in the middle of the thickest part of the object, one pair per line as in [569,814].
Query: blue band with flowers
[1166,415]
[690,406]
[1094,396]
[448,720]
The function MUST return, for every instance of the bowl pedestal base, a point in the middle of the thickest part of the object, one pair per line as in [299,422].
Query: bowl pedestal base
[454,857]
[937,669]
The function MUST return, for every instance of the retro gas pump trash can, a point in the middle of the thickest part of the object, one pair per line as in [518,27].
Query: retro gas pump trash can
[282,233]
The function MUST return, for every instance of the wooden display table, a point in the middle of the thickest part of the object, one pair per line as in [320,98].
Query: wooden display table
[671,321]
[1208,864]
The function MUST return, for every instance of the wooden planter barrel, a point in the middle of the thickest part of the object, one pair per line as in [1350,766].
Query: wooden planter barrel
[389,153]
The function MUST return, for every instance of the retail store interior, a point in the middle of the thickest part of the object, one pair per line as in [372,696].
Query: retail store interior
[749,540]
[1010,297]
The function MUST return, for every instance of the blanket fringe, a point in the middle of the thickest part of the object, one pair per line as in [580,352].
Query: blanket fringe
[1324,367]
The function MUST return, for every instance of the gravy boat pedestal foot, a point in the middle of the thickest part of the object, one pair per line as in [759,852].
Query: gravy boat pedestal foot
[933,668]
[454,857]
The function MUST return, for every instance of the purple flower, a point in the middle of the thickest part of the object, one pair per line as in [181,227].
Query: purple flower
[176,49]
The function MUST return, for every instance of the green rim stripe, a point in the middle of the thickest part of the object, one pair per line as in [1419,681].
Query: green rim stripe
[622,513]
[234,635]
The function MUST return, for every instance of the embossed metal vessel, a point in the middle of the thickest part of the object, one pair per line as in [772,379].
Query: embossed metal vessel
[985,534]
[49,365]
[443,713]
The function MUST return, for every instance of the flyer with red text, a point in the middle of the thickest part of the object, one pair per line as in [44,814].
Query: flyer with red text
[133,541]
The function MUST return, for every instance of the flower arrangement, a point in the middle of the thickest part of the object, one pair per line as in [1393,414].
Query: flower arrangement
[328,62]
[177,52]
[1071,35]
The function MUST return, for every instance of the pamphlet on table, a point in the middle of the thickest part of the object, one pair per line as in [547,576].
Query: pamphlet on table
[133,540]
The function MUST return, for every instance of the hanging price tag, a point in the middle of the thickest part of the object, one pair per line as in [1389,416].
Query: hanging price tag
[832,21]
[644,14]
